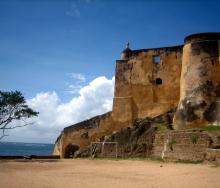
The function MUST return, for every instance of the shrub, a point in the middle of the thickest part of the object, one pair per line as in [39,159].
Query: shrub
[194,139]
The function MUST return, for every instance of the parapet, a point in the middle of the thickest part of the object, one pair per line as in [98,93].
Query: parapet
[199,37]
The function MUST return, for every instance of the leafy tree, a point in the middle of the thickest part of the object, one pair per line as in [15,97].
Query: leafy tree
[13,107]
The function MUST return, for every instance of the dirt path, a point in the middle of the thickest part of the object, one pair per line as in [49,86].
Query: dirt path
[106,174]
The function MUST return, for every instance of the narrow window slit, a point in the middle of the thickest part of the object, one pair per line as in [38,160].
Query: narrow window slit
[158,81]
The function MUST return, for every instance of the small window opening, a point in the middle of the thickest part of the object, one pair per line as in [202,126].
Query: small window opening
[156,59]
[158,81]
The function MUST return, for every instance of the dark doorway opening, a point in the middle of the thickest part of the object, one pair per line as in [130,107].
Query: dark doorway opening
[158,81]
[70,150]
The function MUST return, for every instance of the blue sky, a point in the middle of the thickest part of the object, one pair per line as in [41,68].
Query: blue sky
[62,46]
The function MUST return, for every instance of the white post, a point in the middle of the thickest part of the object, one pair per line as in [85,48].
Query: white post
[116,145]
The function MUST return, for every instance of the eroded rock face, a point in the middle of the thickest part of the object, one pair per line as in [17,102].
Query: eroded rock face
[134,141]
[83,133]
[144,139]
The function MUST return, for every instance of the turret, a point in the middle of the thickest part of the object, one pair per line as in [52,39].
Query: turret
[200,82]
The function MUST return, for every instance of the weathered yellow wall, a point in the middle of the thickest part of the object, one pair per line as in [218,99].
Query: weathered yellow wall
[136,94]
[200,83]
[190,77]
[83,133]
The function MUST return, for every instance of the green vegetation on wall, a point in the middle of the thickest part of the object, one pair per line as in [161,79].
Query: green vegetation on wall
[212,128]
[194,139]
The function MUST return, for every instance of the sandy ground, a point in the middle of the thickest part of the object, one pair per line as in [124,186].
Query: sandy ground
[106,173]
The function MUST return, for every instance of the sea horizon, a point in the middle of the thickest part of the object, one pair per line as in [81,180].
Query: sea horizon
[25,142]
[24,148]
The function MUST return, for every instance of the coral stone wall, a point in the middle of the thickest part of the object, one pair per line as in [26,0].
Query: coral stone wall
[150,82]
[144,88]
[143,140]
[213,155]
[181,145]
[200,82]
[83,133]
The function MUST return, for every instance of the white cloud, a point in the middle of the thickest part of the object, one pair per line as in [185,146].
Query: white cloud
[93,99]
[72,89]
[76,82]
[77,76]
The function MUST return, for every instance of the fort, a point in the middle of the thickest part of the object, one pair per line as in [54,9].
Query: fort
[176,88]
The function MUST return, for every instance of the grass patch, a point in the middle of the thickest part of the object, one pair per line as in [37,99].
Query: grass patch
[161,127]
[189,161]
[119,158]
[103,158]
[124,158]
[155,159]
[211,128]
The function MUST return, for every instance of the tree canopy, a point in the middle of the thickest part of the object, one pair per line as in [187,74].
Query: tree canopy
[13,107]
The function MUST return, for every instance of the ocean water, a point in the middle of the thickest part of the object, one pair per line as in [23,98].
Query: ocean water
[18,148]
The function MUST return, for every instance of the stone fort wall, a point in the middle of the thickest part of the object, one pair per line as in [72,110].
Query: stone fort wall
[150,82]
